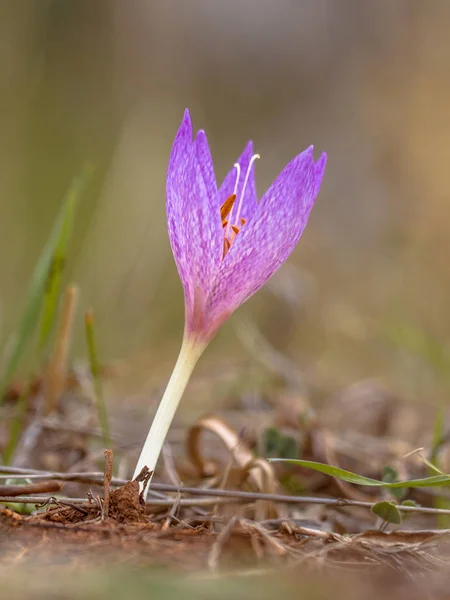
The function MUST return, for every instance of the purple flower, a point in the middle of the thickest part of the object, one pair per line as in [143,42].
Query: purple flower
[225,243]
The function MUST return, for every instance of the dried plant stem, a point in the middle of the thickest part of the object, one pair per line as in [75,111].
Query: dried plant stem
[57,368]
[189,354]
[107,480]
[98,477]
[95,371]
[44,487]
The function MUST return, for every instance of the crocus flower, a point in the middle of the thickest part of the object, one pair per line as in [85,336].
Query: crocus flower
[226,245]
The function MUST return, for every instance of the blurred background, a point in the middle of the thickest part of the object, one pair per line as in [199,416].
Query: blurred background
[366,293]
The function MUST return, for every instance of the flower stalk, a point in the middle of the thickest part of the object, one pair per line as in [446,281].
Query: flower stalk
[190,352]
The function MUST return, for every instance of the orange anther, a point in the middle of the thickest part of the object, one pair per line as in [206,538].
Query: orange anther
[226,246]
[227,206]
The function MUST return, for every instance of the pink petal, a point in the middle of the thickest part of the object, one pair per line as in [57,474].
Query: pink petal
[195,229]
[267,240]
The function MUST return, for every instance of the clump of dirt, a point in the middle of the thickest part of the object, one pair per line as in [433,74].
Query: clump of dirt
[126,504]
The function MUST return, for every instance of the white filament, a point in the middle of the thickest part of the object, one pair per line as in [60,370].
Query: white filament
[247,175]
[237,166]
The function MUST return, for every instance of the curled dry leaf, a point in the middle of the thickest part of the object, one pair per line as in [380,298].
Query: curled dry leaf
[258,473]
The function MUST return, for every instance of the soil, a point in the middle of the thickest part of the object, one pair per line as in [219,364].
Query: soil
[83,538]
[110,542]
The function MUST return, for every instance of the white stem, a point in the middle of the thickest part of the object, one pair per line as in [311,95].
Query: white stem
[189,354]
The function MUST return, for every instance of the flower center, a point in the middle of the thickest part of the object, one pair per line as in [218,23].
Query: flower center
[226,210]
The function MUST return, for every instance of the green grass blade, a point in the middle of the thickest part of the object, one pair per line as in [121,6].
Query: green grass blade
[36,292]
[422,344]
[443,521]
[434,481]
[16,427]
[59,256]
[438,432]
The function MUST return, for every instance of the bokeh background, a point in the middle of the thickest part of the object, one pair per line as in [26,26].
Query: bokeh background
[366,293]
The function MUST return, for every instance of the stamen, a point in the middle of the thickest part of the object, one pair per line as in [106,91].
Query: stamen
[226,210]
[226,246]
[247,175]
[237,166]
[226,207]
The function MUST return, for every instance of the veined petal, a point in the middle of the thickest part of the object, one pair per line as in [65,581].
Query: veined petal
[267,240]
[195,230]
[250,200]
[182,143]
[206,164]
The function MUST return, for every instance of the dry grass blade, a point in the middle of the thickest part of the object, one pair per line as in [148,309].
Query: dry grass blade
[261,540]
[56,376]
[216,550]
[96,376]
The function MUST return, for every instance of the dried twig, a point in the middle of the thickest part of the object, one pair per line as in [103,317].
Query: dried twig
[45,487]
[183,502]
[107,481]
[97,477]
[62,503]
[38,500]
[173,511]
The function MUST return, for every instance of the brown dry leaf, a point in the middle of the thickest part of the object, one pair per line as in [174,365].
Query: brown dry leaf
[257,472]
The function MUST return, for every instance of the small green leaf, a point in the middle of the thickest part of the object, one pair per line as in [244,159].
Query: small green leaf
[278,444]
[390,475]
[435,481]
[410,503]
[387,511]
[407,514]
